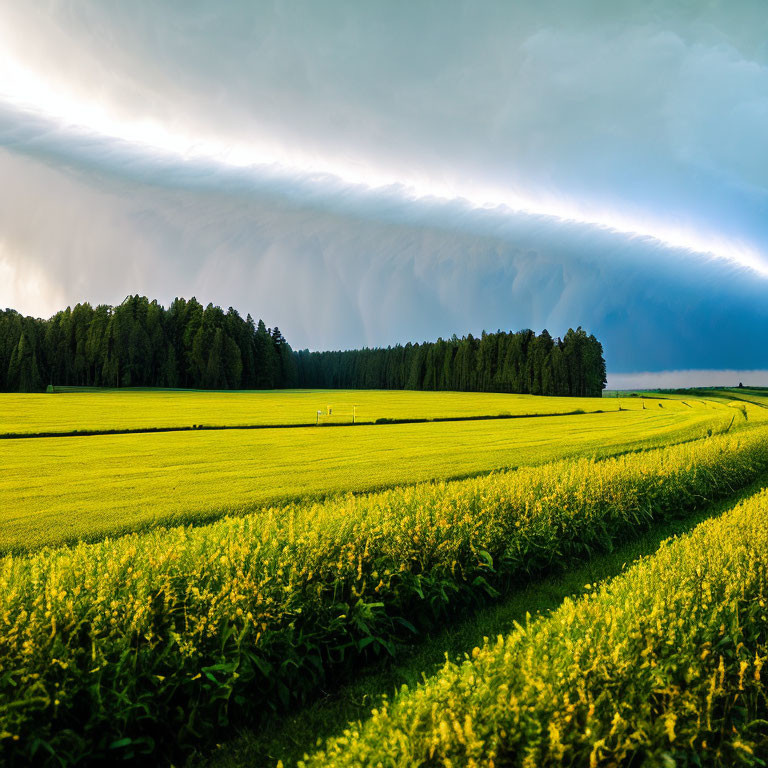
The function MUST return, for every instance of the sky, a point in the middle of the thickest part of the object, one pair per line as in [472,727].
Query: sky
[390,171]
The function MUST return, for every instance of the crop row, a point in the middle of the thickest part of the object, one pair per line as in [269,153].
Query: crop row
[61,490]
[661,666]
[130,645]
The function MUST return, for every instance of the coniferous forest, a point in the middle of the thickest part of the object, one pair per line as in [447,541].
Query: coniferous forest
[142,344]
[521,362]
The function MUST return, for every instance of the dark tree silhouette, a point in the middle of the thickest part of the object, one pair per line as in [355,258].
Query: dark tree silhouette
[141,344]
[519,362]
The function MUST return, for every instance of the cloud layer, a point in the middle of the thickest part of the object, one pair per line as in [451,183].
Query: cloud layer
[323,167]
[683,379]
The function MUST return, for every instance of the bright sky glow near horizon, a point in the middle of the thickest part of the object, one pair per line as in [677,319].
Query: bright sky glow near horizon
[386,172]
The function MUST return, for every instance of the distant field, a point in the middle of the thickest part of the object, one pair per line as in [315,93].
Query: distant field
[725,395]
[64,488]
[152,409]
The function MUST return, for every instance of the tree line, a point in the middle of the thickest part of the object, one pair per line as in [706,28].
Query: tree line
[521,363]
[142,344]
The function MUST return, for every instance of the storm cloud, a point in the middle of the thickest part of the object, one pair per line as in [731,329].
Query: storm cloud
[382,172]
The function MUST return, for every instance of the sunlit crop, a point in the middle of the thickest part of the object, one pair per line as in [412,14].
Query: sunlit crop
[64,489]
[148,409]
[663,666]
[109,647]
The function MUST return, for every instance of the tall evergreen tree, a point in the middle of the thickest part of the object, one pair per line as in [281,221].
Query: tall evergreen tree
[139,343]
[267,361]
[496,362]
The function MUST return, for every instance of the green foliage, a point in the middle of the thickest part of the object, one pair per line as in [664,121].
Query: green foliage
[129,645]
[139,343]
[662,666]
[496,362]
[290,736]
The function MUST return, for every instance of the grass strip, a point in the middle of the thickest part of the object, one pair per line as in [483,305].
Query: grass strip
[154,641]
[661,666]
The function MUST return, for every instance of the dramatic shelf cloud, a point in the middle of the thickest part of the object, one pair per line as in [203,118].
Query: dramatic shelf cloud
[381,172]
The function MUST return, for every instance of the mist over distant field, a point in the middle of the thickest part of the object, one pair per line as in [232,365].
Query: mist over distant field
[369,173]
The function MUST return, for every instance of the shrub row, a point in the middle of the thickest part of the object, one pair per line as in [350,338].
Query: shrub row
[662,666]
[156,640]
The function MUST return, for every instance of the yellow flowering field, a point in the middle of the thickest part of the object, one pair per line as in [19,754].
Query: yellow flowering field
[662,666]
[116,409]
[69,488]
[154,640]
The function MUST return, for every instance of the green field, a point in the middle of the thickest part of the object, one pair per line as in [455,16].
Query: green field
[152,409]
[56,489]
[159,588]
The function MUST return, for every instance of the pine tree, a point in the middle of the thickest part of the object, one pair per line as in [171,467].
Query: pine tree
[266,358]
